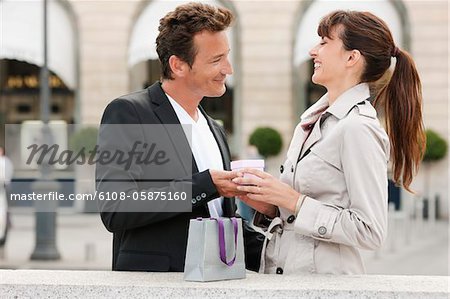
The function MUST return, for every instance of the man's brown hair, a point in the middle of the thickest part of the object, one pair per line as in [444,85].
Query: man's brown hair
[178,28]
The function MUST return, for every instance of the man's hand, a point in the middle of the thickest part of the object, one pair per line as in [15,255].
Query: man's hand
[222,179]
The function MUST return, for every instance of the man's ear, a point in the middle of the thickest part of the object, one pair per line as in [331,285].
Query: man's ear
[354,57]
[178,66]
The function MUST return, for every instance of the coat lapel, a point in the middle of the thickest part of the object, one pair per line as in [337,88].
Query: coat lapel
[313,137]
[304,138]
[298,139]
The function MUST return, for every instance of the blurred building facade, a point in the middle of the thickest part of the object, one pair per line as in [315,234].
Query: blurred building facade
[99,50]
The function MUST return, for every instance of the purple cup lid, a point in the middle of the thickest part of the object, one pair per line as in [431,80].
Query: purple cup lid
[256,163]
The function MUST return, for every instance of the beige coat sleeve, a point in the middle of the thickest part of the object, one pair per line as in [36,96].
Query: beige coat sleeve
[364,152]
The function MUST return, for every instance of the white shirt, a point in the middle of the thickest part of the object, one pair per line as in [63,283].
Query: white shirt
[204,148]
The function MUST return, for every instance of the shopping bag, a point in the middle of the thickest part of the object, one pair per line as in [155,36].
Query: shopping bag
[215,250]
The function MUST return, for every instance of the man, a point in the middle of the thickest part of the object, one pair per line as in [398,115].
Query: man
[193,50]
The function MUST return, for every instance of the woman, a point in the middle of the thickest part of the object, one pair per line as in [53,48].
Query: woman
[331,198]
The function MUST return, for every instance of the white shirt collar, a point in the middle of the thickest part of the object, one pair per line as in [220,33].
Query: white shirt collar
[183,116]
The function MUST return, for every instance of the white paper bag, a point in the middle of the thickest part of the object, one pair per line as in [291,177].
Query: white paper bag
[215,250]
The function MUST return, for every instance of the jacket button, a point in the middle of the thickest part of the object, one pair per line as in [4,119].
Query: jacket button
[281,169]
[291,219]
[279,270]
[198,198]
[193,201]
[322,230]
[203,195]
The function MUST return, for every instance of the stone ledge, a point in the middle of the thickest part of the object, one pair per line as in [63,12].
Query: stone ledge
[108,284]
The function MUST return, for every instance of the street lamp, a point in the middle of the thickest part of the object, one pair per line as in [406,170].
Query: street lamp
[45,211]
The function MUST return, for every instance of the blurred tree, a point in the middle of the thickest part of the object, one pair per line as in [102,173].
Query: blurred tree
[267,140]
[436,149]
[84,139]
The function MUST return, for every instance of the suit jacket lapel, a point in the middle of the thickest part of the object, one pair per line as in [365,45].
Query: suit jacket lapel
[167,115]
[219,139]
[229,205]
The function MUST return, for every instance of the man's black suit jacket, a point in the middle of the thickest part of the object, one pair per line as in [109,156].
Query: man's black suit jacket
[150,241]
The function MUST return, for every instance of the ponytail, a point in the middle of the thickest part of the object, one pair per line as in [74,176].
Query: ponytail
[401,99]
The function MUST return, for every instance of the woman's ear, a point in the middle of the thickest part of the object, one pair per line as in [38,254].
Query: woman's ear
[354,57]
[177,66]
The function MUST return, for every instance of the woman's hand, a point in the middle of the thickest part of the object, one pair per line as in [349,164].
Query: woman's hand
[265,188]
[260,206]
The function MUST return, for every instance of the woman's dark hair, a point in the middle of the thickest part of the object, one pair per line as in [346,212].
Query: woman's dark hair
[178,28]
[400,98]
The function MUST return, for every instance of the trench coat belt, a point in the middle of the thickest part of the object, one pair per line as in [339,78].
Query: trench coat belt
[274,231]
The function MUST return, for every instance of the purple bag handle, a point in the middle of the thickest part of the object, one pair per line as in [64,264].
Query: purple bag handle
[222,249]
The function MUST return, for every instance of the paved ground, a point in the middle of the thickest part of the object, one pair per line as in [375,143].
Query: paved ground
[426,252]
[82,241]
[84,244]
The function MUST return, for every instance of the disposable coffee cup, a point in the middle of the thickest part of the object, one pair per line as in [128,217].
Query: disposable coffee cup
[241,164]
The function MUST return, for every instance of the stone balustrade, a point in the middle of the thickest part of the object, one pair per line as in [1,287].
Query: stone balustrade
[108,284]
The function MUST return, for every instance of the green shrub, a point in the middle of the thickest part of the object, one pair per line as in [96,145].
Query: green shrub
[436,147]
[85,138]
[267,140]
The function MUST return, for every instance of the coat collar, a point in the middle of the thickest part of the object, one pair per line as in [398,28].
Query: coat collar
[161,105]
[341,107]
[349,99]
[306,135]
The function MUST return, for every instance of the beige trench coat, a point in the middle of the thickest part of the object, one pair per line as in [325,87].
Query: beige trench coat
[343,176]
